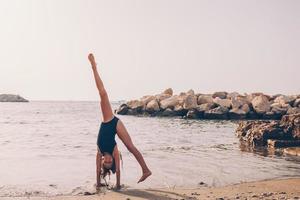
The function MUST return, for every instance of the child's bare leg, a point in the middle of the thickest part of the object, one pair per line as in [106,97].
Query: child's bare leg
[125,137]
[104,100]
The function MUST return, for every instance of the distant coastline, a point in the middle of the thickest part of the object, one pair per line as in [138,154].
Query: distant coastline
[12,98]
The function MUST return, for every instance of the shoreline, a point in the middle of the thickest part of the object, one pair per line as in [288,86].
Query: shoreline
[267,189]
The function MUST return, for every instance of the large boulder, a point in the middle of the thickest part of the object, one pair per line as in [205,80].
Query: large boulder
[291,125]
[222,102]
[237,113]
[161,97]
[152,106]
[279,109]
[190,102]
[168,91]
[261,104]
[296,103]
[181,98]
[11,98]
[221,95]
[283,99]
[190,92]
[168,113]
[146,99]
[217,113]
[170,102]
[239,101]
[251,96]
[245,108]
[122,110]
[135,104]
[205,107]
[258,133]
[294,110]
[205,98]
[192,114]
[180,111]
[232,95]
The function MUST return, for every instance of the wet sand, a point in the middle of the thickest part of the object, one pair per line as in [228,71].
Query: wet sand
[270,189]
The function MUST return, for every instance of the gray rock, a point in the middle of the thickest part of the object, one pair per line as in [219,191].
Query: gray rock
[161,97]
[192,114]
[190,102]
[180,111]
[202,99]
[283,99]
[132,112]
[239,101]
[168,91]
[233,95]
[296,103]
[293,110]
[245,108]
[135,104]
[217,113]
[206,107]
[221,95]
[222,102]
[261,104]
[152,106]
[12,98]
[170,102]
[146,99]
[190,92]
[237,113]
[168,113]
[122,110]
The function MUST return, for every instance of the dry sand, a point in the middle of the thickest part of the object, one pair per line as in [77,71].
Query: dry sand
[271,189]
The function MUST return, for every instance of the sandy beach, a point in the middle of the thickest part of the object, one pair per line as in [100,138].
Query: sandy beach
[270,189]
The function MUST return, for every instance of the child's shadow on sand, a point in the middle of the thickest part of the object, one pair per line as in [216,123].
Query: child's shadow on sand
[152,194]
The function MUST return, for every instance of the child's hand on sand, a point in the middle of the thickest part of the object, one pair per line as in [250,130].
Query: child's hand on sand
[117,187]
[92,61]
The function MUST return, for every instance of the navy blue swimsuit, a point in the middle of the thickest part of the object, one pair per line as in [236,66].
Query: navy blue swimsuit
[106,137]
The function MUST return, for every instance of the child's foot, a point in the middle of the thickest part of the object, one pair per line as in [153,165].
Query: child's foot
[145,175]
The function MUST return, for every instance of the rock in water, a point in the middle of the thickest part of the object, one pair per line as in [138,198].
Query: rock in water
[257,133]
[222,102]
[168,91]
[237,113]
[217,113]
[146,99]
[202,99]
[170,102]
[122,110]
[221,95]
[152,106]
[261,104]
[12,98]
[190,102]
[282,99]
[168,113]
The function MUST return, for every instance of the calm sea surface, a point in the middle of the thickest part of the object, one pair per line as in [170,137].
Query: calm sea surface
[48,148]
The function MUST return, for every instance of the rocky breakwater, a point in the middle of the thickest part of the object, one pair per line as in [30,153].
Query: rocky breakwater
[11,98]
[273,134]
[219,105]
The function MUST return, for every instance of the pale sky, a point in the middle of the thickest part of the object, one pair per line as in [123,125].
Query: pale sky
[145,46]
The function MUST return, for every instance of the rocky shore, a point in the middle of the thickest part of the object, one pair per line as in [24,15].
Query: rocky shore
[12,98]
[272,134]
[219,105]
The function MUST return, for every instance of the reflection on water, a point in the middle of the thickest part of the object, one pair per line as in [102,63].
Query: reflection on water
[48,148]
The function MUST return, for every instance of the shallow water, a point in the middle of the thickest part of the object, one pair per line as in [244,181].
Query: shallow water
[48,148]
